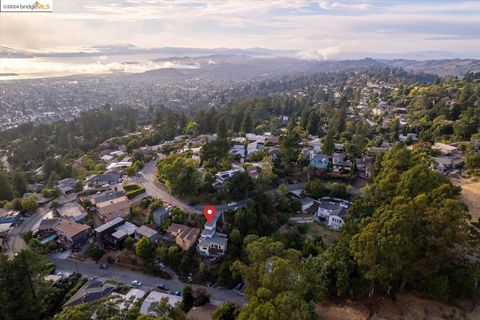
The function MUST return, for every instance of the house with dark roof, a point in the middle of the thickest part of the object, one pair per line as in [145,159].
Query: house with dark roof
[341,163]
[365,166]
[104,178]
[91,291]
[72,234]
[332,211]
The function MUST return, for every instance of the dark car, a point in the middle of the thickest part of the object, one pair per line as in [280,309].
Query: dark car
[103,267]
[162,286]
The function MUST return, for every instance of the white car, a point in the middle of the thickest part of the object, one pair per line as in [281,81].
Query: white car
[232,204]
[136,283]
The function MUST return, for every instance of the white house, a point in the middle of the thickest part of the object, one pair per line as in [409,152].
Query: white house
[212,243]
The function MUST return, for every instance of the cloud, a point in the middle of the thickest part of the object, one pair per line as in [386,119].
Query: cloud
[324,4]
[39,67]
[365,25]
[319,54]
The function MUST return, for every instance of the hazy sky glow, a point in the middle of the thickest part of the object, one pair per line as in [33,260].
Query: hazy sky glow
[321,28]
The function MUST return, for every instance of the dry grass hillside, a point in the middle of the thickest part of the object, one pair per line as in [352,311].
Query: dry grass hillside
[406,307]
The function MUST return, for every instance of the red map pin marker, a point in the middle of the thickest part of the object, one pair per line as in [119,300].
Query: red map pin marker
[209,213]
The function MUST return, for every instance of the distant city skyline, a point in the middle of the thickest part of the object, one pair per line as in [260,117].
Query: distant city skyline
[319,29]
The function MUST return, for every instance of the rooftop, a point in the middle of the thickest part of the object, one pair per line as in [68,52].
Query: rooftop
[72,210]
[70,228]
[155,296]
[109,224]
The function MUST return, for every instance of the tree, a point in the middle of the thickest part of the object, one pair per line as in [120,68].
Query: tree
[192,128]
[25,295]
[272,282]
[6,191]
[416,223]
[247,123]
[180,174]
[215,152]
[29,204]
[187,301]
[129,242]
[154,205]
[328,146]
[227,311]
[239,186]
[289,149]
[222,129]
[94,251]
[145,249]
[315,189]
[313,121]
[19,183]
[473,160]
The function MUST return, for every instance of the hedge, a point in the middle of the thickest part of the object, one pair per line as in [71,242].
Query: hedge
[133,190]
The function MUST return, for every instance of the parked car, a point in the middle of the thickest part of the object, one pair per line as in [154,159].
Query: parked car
[230,204]
[103,267]
[136,283]
[178,293]
[162,286]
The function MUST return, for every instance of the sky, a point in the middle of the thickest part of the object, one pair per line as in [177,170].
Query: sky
[317,28]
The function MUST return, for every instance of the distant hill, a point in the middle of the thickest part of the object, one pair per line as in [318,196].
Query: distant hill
[443,67]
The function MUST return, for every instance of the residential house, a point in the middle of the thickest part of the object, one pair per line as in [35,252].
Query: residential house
[133,295]
[204,312]
[161,214]
[114,232]
[237,150]
[118,166]
[97,180]
[306,203]
[224,176]
[113,208]
[155,296]
[341,163]
[409,136]
[146,232]
[365,166]
[72,211]
[445,149]
[46,227]
[184,236]
[212,243]
[121,233]
[319,163]
[72,234]
[255,146]
[67,185]
[105,230]
[332,211]
[448,164]
[105,196]
[91,291]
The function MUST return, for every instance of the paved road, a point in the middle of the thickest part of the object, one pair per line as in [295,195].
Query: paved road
[15,241]
[147,177]
[90,269]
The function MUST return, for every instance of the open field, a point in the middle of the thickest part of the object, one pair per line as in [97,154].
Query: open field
[470,195]
[407,306]
[316,229]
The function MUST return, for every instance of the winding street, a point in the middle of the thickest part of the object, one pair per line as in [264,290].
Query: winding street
[90,269]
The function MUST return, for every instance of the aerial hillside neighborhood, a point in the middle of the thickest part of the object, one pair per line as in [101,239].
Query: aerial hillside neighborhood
[124,218]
